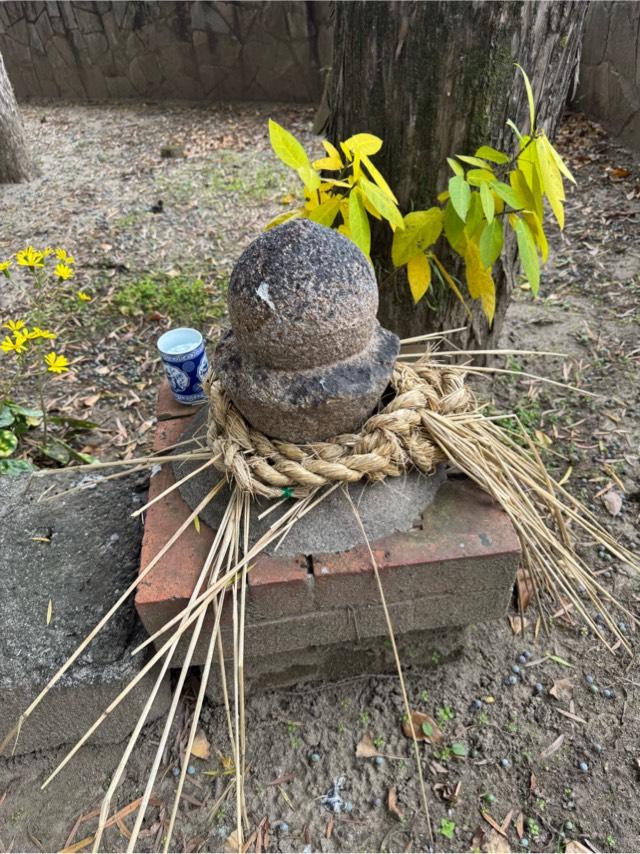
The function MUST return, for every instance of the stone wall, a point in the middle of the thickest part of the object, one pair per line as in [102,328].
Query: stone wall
[609,89]
[191,50]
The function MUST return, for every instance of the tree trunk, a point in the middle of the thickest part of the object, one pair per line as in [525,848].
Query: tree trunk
[15,162]
[436,79]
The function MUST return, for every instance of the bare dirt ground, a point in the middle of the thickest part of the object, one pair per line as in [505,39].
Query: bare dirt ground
[101,174]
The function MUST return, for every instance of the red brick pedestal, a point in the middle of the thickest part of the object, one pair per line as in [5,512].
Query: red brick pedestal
[306,617]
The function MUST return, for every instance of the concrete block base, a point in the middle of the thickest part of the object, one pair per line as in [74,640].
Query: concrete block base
[319,615]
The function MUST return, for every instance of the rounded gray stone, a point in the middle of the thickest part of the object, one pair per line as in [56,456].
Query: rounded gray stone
[308,405]
[391,506]
[302,295]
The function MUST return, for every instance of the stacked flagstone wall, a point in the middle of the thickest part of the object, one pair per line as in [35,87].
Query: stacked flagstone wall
[191,50]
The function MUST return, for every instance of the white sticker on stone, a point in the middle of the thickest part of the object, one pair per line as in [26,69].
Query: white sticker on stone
[263,293]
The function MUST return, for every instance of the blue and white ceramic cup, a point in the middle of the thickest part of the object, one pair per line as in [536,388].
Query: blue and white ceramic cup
[185,361]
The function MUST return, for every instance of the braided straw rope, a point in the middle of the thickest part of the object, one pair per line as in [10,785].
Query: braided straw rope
[389,443]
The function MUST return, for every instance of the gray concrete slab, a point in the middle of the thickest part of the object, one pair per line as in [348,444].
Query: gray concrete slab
[392,506]
[79,552]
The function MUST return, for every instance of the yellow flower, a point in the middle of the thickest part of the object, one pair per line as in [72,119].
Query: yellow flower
[14,325]
[17,345]
[48,251]
[4,267]
[36,332]
[63,272]
[56,364]
[83,297]
[61,255]
[30,257]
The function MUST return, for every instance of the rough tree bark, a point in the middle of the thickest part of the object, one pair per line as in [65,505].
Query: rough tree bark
[15,162]
[435,79]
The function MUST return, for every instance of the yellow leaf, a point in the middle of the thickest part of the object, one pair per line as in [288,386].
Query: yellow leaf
[478,177]
[287,147]
[359,223]
[364,143]
[377,177]
[562,166]
[331,150]
[532,109]
[325,213]
[49,611]
[419,274]
[565,477]
[331,164]
[421,230]
[535,226]
[449,280]
[283,217]
[382,203]
[551,180]
[455,167]
[309,177]
[479,280]
[473,161]
[196,523]
[520,185]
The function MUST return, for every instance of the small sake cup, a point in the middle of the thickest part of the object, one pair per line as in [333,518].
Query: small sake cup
[185,362]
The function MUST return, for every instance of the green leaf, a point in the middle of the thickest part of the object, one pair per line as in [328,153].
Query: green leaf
[73,423]
[27,413]
[473,161]
[491,242]
[427,729]
[8,443]
[508,195]
[447,828]
[453,228]
[458,749]
[514,128]
[326,213]
[460,195]
[478,177]
[528,255]
[421,230]
[419,275]
[15,467]
[55,450]
[455,166]
[6,416]
[381,202]
[488,204]
[287,147]
[488,153]
[532,109]
[474,217]
[359,222]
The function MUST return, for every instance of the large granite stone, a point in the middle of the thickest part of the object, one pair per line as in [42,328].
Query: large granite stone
[306,358]
[301,296]
[313,403]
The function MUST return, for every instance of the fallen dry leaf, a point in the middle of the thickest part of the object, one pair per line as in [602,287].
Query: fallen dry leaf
[553,747]
[491,820]
[200,747]
[562,689]
[620,172]
[525,588]
[366,748]
[231,843]
[496,844]
[425,728]
[329,831]
[392,803]
[517,624]
[520,825]
[506,822]
[612,500]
